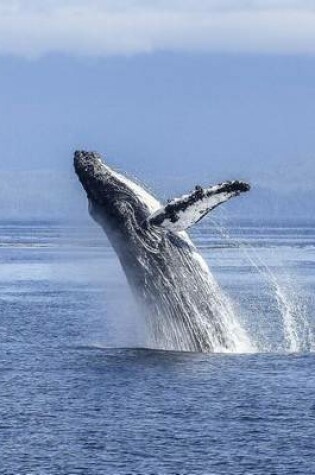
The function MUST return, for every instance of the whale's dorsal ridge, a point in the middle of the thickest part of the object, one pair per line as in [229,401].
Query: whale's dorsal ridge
[181,213]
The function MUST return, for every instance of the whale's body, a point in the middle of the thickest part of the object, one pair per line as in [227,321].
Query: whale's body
[171,281]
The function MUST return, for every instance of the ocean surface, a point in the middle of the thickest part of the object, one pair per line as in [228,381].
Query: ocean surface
[80,393]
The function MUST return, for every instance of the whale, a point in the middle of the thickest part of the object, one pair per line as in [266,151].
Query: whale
[183,306]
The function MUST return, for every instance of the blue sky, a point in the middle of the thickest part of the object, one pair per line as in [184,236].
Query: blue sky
[176,93]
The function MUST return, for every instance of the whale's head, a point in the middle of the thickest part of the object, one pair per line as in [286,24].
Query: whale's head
[115,201]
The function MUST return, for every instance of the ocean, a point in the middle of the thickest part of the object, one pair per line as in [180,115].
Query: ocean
[82,394]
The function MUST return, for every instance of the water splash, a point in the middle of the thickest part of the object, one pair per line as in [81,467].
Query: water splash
[292,306]
[291,302]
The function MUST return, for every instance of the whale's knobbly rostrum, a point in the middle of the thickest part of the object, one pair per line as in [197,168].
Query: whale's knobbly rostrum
[184,307]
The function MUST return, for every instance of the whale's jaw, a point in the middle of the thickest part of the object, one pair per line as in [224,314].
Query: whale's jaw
[112,197]
[93,174]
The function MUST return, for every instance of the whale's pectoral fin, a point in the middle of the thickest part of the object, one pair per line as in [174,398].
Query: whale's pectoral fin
[181,213]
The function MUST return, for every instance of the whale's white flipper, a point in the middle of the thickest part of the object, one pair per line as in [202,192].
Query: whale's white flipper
[181,213]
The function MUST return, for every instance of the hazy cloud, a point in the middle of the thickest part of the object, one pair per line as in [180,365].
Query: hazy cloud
[93,27]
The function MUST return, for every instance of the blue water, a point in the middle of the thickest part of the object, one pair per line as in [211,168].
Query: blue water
[80,394]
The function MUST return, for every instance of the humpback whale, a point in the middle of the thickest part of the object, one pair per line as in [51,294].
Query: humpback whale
[182,303]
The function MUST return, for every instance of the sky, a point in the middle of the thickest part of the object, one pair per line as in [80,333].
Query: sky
[174,92]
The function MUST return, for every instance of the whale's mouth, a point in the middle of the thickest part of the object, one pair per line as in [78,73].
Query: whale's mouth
[93,174]
[87,163]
